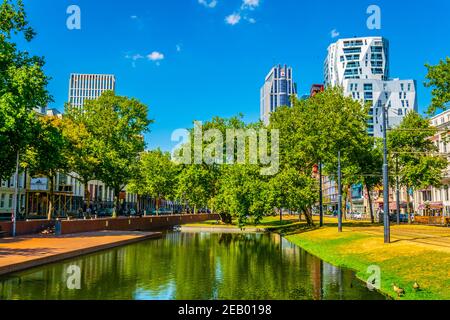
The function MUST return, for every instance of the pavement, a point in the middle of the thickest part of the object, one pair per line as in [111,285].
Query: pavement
[17,254]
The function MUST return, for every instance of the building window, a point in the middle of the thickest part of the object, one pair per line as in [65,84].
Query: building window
[2,200]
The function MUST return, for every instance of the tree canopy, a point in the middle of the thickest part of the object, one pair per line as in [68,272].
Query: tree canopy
[438,78]
[22,86]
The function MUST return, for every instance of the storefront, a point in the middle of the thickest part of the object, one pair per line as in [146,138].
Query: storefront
[432,209]
[64,204]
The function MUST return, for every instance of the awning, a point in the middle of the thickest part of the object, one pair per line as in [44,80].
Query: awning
[435,206]
[432,206]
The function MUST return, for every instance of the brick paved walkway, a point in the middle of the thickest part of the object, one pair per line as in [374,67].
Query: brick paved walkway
[32,251]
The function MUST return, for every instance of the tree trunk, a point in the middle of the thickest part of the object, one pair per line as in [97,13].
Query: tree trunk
[281,215]
[116,203]
[51,198]
[308,216]
[87,194]
[226,218]
[372,216]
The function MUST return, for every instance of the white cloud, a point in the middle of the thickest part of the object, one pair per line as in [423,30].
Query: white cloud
[178,46]
[134,17]
[334,33]
[208,3]
[137,57]
[233,19]
[155,56]
[250,4]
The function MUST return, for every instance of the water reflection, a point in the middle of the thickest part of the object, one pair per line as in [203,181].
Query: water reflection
[192,266]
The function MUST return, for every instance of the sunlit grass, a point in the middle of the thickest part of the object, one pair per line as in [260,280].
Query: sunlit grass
[417,253]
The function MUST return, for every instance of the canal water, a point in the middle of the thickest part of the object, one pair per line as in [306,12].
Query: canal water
[191,266]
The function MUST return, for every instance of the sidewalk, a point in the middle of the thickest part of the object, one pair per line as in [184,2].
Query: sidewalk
[22,253]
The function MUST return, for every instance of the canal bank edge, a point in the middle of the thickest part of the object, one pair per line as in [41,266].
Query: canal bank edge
[398,266]
[69,254]
[335,264]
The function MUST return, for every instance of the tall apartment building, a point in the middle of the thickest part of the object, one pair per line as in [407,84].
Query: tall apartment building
[361,67]
[358,58]
[399,96]
[84,87]
[277,90]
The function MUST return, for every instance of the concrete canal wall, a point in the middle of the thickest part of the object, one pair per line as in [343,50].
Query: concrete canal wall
[119,224]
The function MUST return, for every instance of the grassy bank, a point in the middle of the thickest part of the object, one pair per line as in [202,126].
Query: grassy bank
[418,253]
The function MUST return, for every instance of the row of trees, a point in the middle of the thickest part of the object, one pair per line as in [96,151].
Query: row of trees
[312,131]
[104,141]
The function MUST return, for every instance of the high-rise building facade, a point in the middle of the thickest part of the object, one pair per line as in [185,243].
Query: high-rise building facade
[84,87]
[277,91]
[399,96]
[361,67]
[358,58]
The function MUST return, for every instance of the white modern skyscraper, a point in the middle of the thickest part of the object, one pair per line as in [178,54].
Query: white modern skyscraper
[277,90]
[399,96]
[84,87]
[361,67]
[358,58]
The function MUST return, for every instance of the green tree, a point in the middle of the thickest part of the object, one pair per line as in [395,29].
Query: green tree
[46,155]
[316,129]
[370,166]
[157,176]
[294,191]
[195,185]
[419,164]
[117,125]
[81,153]
[22,86]
[439,79]
[243,193]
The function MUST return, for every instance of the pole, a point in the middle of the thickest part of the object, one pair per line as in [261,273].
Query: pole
[387,235]
[398,191]
[339,193]
[16,192]
[321,194]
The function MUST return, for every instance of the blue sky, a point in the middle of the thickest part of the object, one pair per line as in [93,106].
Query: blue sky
[194,59]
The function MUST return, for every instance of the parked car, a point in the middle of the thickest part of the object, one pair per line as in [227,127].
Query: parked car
[105,212]
[403,218]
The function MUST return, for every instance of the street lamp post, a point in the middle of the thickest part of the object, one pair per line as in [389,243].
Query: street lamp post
[339,193]
[398,190]
[16,192]
[387,231]
[321,194]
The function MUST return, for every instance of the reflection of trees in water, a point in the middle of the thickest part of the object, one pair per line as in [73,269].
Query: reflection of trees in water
[188,266]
